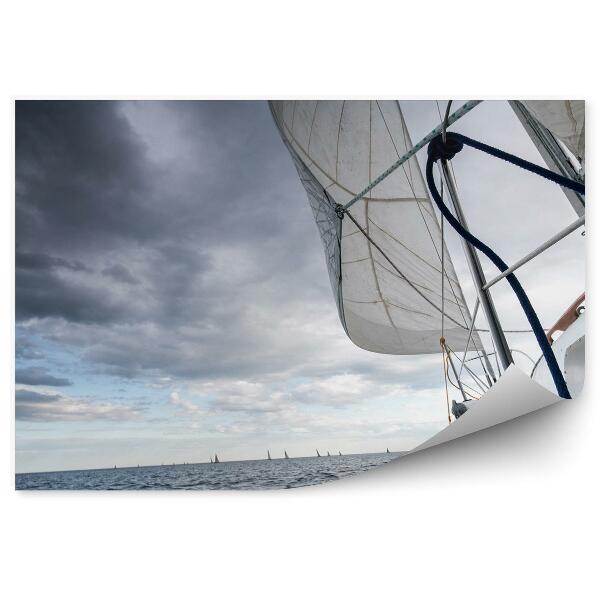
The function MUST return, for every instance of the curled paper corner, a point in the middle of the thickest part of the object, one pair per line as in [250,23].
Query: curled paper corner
[514,395]
[218,411]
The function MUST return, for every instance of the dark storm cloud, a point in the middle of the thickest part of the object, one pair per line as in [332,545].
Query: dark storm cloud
[29,397]
[217,272]
[46,287]
[39,376]
[80,176]
[162,235]
[120,273]
[39,261]
[46,294]
[80,183]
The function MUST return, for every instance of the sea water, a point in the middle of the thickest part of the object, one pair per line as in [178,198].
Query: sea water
[234,475]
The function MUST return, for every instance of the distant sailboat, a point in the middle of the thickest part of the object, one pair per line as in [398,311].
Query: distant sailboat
[318,454]
[285,454]
[211,460]
[268,455]
[387,450]
[339,453]
[328,453]
[216,459]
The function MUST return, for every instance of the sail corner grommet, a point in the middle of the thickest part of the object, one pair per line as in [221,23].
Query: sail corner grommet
[339,210]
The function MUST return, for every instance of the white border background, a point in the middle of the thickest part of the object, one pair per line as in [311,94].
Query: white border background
[507,513]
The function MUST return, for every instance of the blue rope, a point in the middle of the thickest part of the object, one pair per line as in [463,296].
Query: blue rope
[576,186]
[454,143]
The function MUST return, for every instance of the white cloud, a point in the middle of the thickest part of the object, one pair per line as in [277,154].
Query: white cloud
[46,406]
[341,390]
[234,309]
[184,406]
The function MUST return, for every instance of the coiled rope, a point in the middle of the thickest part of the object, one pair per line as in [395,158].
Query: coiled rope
[437,150]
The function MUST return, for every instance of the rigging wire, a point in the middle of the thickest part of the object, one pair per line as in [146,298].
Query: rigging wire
[445,348]
[407,142]
[445,368]
[512,350]
[447,375]
[482,385]
[464,109]
[524,354]
[495,353]
[444,125]
[341,212]
[443,266]
[442,340]
[437,150]
[481,352]
[472,395]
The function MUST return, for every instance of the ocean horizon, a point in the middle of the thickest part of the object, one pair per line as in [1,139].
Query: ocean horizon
[248,474]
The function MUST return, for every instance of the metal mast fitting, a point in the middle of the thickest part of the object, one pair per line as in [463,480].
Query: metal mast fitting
[461,112]
[485,297]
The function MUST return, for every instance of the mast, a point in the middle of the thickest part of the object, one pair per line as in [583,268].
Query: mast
[551,152]
[485,298]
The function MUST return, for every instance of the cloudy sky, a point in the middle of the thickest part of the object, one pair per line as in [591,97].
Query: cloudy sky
[172,300]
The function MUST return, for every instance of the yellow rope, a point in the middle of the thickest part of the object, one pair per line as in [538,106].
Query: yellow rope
[445,367]
[446,352]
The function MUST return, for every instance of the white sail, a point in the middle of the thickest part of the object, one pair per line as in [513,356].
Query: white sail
[565,119]
[338,148]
